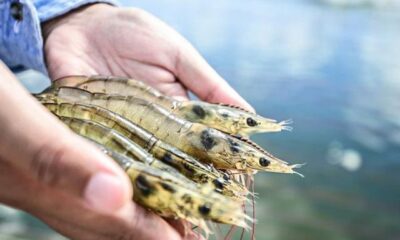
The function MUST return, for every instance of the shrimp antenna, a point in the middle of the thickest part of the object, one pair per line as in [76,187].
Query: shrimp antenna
[284,124]
[297,166]
[299,174]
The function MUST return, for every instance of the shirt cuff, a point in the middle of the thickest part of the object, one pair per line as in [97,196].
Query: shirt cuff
[49,9]
[21,42]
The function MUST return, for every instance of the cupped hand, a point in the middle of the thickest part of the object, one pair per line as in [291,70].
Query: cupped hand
[64,180]
[101,39]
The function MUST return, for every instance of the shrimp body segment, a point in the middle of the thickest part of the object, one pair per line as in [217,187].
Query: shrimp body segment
[226,118]
[117,142]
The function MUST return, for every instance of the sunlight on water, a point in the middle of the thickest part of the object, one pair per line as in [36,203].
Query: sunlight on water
[349,159]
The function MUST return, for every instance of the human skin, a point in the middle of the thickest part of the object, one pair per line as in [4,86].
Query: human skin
[61,178]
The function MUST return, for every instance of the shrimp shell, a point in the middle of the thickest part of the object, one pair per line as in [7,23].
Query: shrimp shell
[117,142]
[167,195]
[206,144]
[172,156]
[227,118]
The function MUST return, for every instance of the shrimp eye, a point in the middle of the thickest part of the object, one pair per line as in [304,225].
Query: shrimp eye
[264,162]
[225,176]
[251,122]
[204,210]
[218,183]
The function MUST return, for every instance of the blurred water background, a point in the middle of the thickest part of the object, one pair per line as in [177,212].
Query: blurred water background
[333,66]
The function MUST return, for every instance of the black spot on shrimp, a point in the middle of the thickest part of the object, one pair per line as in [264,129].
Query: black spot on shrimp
[203,178]
[168,187]
[218,183]
[234,146]
[168,159]
[225,115]
[204,210]
[144,186]
[189,168]
[182,209]
[207,140]
[199,111]
[187,199]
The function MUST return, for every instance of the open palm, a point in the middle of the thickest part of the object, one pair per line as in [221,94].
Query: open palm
[101,39]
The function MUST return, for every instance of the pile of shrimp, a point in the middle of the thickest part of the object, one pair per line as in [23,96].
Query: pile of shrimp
[190,160]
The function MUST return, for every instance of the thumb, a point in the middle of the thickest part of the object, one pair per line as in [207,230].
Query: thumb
[71,164]
[36,142]
[199,77]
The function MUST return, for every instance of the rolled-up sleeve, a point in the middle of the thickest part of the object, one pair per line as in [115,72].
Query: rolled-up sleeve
[21,42]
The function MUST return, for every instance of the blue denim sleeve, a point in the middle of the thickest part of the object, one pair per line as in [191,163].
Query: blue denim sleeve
[21,42]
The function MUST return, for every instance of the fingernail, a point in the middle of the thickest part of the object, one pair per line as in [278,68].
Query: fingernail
[105,192]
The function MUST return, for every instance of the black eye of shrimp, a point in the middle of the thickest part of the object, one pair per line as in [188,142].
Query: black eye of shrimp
[251,122]
[204,209]
[264,162]
[218,183]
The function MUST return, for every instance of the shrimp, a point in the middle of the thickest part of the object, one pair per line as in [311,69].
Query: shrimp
[168,196]
[206,144]
[227,118]
[117,142]
[187,165]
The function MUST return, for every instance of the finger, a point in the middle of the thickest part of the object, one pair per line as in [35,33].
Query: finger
[132,222]
[143,225]
[35,141]
[198,76]
[192,235]
[185,229]
[72,231]
[72,217]
[179,225]
[148,225]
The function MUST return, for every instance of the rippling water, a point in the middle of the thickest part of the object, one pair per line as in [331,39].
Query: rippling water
[335,71]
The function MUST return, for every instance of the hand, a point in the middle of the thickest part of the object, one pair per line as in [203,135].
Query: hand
[102,39]
[62,179]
